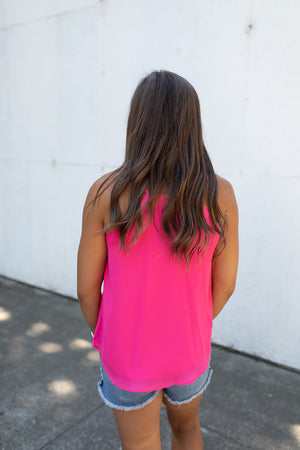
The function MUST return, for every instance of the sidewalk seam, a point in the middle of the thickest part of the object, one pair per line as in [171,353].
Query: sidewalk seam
[231,439]
[256,358]
[70,427]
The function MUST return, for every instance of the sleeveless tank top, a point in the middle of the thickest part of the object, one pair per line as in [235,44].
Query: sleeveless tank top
[155,321]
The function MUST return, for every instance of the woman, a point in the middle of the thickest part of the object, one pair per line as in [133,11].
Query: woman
[162,232]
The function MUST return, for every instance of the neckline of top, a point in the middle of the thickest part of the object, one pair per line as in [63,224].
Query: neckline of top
[147,193]
[146,190]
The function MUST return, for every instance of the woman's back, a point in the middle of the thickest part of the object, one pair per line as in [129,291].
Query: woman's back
[154,328]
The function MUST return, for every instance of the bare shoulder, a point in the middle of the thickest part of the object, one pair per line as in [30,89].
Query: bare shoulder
[226,195]
[94,189]
[99,210]
[224,186]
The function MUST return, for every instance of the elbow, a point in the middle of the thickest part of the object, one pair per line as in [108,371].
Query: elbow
[230,289]
[80,298]
[225,289]
[229,293]
[81,295]
[89,296]
[83,298]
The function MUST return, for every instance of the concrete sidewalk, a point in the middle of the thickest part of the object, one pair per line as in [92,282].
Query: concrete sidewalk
[49,375]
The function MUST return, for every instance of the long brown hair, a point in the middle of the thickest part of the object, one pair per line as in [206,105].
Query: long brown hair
[164,147]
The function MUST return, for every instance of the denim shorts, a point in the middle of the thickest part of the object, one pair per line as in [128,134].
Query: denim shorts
[117,398]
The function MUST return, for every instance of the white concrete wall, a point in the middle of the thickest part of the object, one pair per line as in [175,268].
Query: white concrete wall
[68,70]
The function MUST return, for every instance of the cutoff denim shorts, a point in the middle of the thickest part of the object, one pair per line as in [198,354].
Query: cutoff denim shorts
[117,398]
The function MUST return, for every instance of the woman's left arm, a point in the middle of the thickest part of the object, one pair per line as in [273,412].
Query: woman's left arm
[91,258]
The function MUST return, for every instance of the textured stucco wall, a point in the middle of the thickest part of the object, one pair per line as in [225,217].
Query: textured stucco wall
[68,70]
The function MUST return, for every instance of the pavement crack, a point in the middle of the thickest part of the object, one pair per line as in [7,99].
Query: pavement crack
[229,438]
[71,426]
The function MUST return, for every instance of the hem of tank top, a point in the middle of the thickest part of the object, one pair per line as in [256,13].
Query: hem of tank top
[149,386]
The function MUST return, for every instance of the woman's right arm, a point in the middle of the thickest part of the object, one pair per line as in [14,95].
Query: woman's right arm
[224,266]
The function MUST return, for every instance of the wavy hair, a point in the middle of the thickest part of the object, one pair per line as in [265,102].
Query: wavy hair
[165,148]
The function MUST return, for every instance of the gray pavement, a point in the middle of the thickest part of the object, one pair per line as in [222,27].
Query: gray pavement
[49,375]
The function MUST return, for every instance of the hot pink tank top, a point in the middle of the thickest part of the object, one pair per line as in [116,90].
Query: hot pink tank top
[155,321]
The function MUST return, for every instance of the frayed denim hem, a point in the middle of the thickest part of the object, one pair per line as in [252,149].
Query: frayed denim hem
[176,402]
[125,408]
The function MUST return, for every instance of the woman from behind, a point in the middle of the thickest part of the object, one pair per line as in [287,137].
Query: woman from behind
[162,232]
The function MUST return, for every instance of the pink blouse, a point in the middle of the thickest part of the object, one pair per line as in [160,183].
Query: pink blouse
[155,321]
